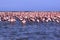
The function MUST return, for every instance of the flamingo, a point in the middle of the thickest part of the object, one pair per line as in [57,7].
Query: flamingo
[0,18]
[23,21]
[11,20]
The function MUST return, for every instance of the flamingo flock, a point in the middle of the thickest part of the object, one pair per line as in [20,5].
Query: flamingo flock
[30,16]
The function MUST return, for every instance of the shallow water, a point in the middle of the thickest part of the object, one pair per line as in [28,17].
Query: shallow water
[29,31]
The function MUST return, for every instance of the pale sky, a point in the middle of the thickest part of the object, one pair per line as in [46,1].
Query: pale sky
[29,5]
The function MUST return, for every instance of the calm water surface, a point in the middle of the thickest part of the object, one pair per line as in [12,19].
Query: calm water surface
[29,31]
